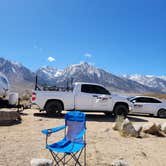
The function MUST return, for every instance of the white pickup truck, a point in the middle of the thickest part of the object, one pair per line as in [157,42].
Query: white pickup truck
[84,97]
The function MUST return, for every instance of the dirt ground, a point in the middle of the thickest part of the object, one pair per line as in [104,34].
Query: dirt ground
[20,143]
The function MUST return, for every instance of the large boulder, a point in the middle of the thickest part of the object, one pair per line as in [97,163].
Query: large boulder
[152,128]
[127,129]
[41,162]
[9,116]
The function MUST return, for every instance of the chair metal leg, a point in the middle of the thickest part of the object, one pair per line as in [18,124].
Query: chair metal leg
[54,157]
[62,159]
[85,156]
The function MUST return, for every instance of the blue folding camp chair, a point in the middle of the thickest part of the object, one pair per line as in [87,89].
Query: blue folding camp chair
[74,141]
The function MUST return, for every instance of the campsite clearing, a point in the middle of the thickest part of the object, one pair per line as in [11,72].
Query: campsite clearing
[20,143]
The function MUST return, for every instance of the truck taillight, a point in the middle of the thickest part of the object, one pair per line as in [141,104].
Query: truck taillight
[33,96]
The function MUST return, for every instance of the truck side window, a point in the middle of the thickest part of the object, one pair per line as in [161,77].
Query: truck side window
[147,100]
[94,89]
[100,90]
[87,88]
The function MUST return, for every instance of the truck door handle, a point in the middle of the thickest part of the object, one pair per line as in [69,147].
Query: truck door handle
[95,96]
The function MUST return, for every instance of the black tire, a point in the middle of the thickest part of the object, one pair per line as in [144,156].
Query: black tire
[121,110]
[53,108]
[162,113]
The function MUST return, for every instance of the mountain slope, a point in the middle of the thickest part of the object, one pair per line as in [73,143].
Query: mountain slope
[20,77]
[88,73]
[158,83]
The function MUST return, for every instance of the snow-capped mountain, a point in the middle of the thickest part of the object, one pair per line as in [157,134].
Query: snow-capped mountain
[22,78]
[48,74]
[162,77]
[157,82]
[15,72]
[88,73]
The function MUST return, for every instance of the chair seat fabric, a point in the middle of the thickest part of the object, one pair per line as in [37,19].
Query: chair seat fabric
[65,146]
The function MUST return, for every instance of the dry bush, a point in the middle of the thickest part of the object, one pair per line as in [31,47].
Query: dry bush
[25,98]
[118,122]
[26,95]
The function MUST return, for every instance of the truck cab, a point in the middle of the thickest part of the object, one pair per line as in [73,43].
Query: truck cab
[92,97]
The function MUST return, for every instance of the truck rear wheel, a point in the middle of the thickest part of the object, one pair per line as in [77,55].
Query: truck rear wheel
[53,108]
[121,110]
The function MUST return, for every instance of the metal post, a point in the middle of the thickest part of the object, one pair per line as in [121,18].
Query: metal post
[36,80]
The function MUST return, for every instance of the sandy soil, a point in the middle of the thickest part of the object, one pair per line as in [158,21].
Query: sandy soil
[20,143]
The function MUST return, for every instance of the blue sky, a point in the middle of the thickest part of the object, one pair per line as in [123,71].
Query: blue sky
[120,36]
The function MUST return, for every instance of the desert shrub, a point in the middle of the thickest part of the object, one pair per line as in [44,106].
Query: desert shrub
[26,96]
[119,120]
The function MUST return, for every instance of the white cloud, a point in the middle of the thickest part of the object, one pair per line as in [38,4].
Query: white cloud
[51,59]
[88,55]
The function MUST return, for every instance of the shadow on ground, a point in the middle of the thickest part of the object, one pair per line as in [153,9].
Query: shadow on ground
[23,114]
[147,116]
[93,117]
[9,123]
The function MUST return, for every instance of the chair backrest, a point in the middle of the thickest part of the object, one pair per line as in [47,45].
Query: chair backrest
[76,123]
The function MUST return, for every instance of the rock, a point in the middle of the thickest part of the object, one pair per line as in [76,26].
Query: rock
[119,163]
[138,128]
[9,116]
[118,122]
[163,127]
[127,129]
[41,162]
[153,129]
[158,125]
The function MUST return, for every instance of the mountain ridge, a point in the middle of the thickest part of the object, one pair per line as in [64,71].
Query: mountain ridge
[20,76]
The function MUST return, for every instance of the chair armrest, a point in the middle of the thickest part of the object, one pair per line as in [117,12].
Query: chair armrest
[52,130]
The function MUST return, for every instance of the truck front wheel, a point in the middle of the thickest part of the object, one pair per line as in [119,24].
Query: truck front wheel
[53,108]
[121,110]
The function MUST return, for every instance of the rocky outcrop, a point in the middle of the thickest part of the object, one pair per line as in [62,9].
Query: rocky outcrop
[152,128]
[127,129]
[138,128]
[9,116]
